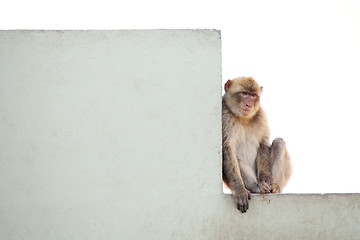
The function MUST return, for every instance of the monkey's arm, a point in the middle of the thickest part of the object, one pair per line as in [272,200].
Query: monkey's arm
[231,170]
[263,166]
[232,177]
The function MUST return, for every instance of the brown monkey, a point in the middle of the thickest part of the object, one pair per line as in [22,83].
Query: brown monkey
[250,164]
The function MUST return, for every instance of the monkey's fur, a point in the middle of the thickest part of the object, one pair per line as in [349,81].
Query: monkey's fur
[250,164]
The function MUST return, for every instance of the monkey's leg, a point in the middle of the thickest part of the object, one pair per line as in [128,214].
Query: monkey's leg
[280,164]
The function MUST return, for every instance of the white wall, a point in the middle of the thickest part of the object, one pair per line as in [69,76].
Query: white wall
[117,135]
[108,134]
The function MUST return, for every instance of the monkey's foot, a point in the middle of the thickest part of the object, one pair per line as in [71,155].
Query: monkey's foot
[275,188]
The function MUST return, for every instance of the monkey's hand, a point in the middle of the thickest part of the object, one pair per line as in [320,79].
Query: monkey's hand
[242,197]
[261,187]
[266,183]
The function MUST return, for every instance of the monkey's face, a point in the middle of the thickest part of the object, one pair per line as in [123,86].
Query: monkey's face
[242,96]
[246,102]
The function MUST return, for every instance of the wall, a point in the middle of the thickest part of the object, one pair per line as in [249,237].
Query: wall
[117,135]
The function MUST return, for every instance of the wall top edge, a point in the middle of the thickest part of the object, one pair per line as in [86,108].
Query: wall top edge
[306,194]
[112,30]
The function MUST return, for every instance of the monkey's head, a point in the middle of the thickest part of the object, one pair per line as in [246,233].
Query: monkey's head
[242,96]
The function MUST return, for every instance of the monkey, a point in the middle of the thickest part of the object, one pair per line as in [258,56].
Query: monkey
[250,163]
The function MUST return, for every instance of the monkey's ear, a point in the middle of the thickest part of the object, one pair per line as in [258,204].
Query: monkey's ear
[227,85]
[261,89]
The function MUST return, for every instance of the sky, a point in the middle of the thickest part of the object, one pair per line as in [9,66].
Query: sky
[306,55]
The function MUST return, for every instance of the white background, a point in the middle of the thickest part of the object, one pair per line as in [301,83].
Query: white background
[306,54]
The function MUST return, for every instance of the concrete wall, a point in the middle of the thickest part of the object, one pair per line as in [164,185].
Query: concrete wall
[117,135]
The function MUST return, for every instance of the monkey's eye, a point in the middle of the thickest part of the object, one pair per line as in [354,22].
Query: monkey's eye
[244,93]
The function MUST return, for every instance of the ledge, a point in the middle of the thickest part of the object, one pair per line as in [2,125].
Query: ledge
[295,216]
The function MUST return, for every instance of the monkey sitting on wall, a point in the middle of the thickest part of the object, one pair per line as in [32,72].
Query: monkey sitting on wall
[250,164]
